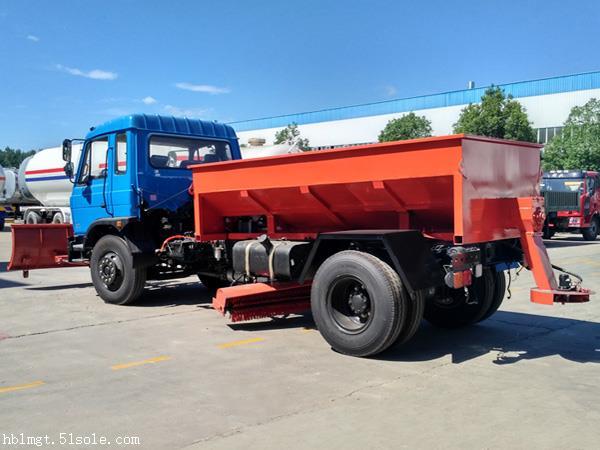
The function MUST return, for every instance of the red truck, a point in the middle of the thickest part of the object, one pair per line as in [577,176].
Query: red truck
[572,202]
[370,239]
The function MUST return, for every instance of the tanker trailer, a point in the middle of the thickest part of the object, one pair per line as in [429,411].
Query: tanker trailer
[42,180]
[2,209]
[10,198]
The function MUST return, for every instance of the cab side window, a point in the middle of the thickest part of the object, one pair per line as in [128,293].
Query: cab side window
[121,154]
[94,165]
[591,185]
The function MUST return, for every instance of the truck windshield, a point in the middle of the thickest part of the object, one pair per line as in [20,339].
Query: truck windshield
[562,184]
[168,152]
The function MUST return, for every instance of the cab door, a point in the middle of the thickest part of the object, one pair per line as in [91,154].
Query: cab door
[91,199]
[123,199]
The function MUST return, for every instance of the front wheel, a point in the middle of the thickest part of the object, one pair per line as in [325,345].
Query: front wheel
[591,233]
[114,277]
[547,233]
[359,304]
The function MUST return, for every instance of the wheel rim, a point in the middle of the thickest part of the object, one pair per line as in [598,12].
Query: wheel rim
[110,271]
[349,305]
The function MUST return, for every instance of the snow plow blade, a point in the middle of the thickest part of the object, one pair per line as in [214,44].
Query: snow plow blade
[40,247]
[259,300]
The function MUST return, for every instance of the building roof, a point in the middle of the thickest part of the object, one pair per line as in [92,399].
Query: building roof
[554,85]
[164,124]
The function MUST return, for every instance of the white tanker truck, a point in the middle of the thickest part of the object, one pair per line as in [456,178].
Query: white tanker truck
[39,190]
[11,198]
[42,179]
[2,207]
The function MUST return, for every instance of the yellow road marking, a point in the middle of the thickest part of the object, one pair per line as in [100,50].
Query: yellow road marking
[242,342]
[307,330]
[140,363]
[21,386]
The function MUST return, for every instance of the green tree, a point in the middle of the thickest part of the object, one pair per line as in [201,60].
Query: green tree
[291,135]
[409,126]
[496,116]
[10,157]
[578,146]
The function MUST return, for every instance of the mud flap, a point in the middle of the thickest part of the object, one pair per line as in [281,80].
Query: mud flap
[40,247]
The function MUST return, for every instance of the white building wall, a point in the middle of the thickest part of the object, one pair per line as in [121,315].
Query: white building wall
[544,111]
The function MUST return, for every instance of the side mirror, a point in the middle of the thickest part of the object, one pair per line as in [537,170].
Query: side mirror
[69,169]
[66,150]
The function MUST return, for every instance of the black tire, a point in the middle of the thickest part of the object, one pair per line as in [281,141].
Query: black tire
[498,297]
[58,218]
[414,317]
[2,223]
[358,303]
[449,309]
[547,233]
[32,218]
[114,277]
[591,233]
[213,283]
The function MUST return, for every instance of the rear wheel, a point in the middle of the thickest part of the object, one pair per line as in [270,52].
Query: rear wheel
[358,303]
[453,308]
[32,218]
[414,317]
[591,233]
[114,277]
[58,218]
[498,297]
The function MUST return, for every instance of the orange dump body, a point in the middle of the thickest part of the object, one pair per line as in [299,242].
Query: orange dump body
[459,188]
[456,187]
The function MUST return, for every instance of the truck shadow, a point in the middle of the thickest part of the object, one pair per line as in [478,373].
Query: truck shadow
[296,321]
[174,293]
[8,283]
[60,287]
[558,243]
[514,336]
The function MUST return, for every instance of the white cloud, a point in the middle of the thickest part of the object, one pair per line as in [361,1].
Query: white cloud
[148,100]
[206,88]
[95,74]
[192,113]
[33,38]
[391,91]
[117,111]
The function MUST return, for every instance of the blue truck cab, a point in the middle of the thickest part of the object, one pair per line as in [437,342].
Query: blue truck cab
[139,163]
[131,188]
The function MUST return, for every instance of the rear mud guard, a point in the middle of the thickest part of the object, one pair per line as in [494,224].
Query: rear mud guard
[408,250]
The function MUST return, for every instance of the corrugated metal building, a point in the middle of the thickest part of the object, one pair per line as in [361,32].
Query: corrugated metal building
[548,102]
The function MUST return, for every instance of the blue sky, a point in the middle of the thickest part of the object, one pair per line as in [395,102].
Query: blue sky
[68,65]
